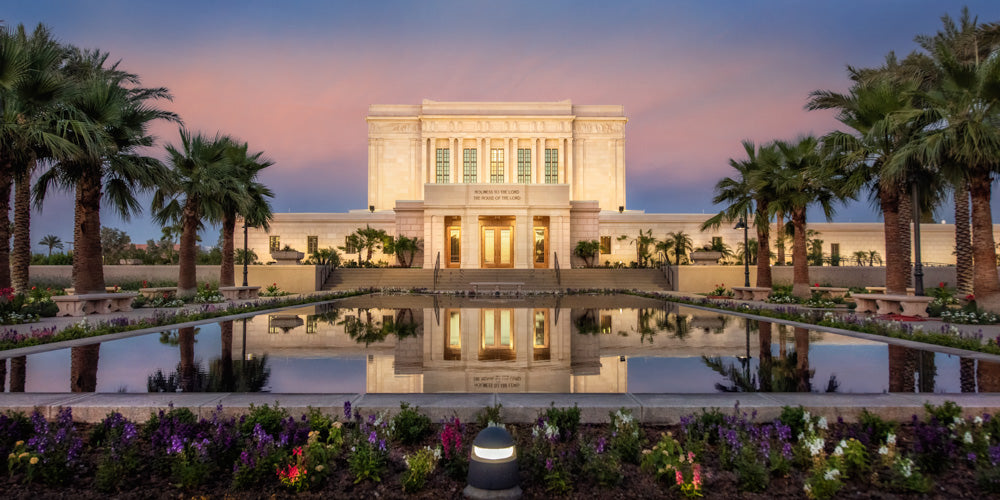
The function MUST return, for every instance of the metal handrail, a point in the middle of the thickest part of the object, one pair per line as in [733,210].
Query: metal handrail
[555,258]
[437,270]
[665,267]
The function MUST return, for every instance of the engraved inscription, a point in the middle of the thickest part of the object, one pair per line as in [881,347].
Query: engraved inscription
[497,194]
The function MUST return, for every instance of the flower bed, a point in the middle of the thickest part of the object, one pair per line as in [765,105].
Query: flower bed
[711,453]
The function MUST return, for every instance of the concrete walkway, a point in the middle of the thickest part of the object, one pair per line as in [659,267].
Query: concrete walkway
[517,408]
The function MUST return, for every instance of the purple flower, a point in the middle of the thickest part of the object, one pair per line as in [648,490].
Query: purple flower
[548,464]
[971,457]
[786,451]
[176,445]
[347,410]
[994,455]
[601,442]
[372,438]
[381,445]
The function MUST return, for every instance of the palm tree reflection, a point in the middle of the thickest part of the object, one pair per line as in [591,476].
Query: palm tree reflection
[223,375]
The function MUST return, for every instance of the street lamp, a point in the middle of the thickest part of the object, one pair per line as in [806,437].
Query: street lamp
[742,224]
[245,253]
[493,466]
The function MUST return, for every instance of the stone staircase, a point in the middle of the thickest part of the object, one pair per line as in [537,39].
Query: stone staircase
[542,280]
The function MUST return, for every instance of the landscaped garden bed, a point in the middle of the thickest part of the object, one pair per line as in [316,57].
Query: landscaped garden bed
[716,454]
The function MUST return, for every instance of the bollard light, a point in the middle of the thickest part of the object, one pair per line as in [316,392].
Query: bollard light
[493,466]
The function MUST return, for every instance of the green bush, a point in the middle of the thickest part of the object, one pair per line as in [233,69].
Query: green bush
[566,419]
[269,418]
[489,415]
[411,426]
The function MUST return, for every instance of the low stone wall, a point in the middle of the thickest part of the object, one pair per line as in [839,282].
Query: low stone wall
[63,275]
[295,279]
[700,279]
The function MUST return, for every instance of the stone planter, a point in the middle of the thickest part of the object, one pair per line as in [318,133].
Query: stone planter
[705,258]
[287,257]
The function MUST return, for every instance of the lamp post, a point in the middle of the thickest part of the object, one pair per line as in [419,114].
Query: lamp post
[742,224]
[493,466]
[918,267]
[245,253]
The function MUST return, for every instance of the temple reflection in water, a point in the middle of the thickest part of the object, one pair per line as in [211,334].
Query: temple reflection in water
[571,344]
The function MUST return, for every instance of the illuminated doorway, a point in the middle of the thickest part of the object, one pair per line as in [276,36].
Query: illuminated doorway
[497,335]
[453,241]
[497,242]
[540,243]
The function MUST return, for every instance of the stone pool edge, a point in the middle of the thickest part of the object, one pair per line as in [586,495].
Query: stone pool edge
[654,409]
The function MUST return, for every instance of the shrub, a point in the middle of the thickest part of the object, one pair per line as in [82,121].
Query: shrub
[626,436]
[411,426]
[489,415]
[873,428]
[419,467]
[600,463]
[270,419]
[120,458]
[567,420]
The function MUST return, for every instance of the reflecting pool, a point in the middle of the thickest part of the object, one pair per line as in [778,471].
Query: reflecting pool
[572,344]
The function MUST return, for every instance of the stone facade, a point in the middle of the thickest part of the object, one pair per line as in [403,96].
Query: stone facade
[530,178]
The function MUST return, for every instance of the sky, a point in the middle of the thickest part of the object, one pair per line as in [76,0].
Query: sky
[295,78]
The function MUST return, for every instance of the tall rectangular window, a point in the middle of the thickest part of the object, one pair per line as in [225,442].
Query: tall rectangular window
[552,166]
[443,165]
[524,166]
[312,244]
[605,244]
[350,244]
[469,165]
[496,166]
[274,243]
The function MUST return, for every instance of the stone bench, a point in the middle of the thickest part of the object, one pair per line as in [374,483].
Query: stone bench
[829,292]
[94,303]
[108,289]
[751,292]
[881,289]
[166,292]
[497,285]
[239,292]
[906,305]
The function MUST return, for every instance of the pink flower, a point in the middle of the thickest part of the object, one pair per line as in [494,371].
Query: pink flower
[297,451]
[679,476]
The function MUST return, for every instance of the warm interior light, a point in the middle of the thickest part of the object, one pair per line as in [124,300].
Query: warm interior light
[493,453]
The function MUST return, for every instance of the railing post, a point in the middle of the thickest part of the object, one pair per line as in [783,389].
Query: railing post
[437,269]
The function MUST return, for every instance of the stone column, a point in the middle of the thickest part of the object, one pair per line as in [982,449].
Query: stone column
[540,162]
[482,162]
[510,162]
[422,175]
[570,167]
[561,168]
[532,157]
[453,167]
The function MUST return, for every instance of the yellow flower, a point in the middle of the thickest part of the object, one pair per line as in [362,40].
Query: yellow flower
[33,461]
[11,456]
[319,468]
[19,443]
[337,425]
[22,455]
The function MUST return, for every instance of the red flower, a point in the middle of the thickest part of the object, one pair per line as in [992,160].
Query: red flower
[970,297]
[941,285]
[817,284]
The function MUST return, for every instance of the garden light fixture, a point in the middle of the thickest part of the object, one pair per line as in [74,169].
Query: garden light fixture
[371,208]
[621,208]
[493,466]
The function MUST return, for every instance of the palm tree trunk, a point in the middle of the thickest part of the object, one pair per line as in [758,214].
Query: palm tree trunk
[900,369]
[905,241]
[800,273]
[187,278]
[88,264]
[83,368]
[967,374]
[18,373]
[764,352]
[227,274]
[802,351]
[988,375]
[763,247]
[227,355]
[21,256]
[986,283]
[3,375]
[185,340]
[963,241]
[6,180]
[780,240]
[895,264]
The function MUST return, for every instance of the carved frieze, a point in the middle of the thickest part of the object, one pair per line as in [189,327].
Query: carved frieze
[603,127]
[496,126]
[381,127]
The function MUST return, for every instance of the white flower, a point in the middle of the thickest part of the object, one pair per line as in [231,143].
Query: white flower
[831,474]
[882,450]
[890,439]
[977,420]
[822,423]
[815,445]
[958,420]
[967,437]
[839,450]
[806,416]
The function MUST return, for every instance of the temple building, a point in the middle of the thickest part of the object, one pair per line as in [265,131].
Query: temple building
[517,185]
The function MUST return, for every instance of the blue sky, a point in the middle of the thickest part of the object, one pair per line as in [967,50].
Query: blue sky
[295,79]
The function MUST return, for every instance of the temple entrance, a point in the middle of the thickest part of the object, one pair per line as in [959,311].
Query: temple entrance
[497,242]
[453,241]
[540,243]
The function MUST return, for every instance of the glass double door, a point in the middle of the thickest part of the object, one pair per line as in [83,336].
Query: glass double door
[497,242]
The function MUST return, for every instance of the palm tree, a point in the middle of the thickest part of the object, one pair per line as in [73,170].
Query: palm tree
[749,253]
[324,257]
[30,90]
[682,244]
[874,258]
[860,257]
[107,117]
[51,241]
[970,42]
[663,248]
[964,142]
[200,170]
[403,247]
[587,250]
[370,239]
[875,99]
[803,179]
[750,192]
[250,201]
